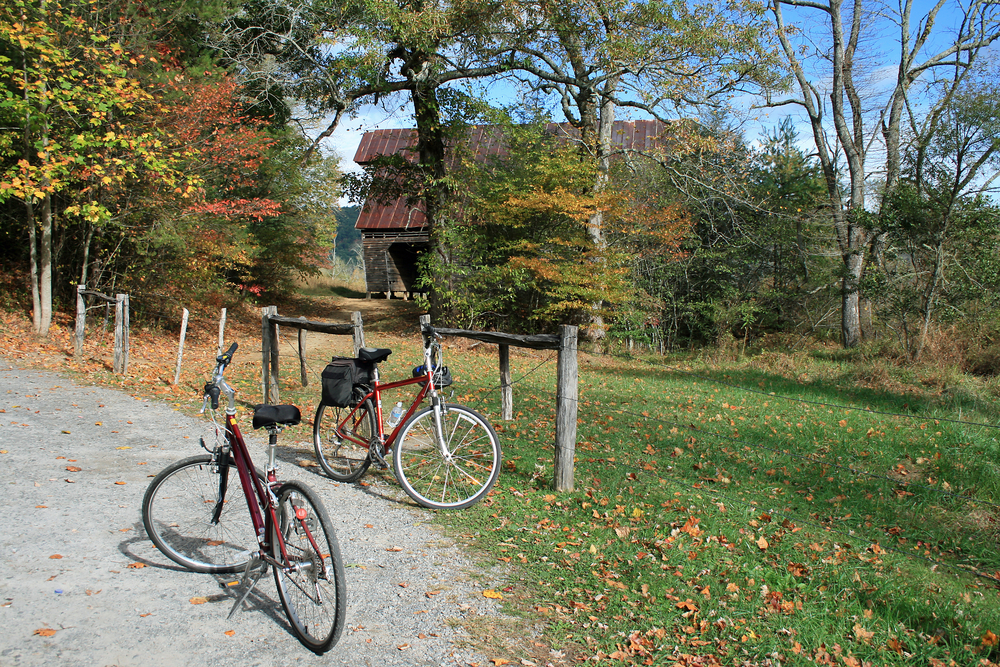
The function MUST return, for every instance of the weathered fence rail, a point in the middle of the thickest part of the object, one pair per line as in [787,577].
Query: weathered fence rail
[120,364]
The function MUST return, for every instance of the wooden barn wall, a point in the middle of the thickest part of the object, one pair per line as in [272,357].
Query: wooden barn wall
[390,260]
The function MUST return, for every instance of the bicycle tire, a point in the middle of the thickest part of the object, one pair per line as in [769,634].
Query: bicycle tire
[461,479]
[316,605]
[177,512]
[344,461]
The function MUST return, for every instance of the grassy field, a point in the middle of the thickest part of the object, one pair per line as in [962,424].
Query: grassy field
[782,509]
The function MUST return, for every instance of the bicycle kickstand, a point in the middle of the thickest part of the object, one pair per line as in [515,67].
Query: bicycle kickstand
[255,560]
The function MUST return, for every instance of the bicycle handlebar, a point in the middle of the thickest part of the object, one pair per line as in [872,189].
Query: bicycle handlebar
[213,390]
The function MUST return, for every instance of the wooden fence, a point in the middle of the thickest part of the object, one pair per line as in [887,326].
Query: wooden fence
[121,325]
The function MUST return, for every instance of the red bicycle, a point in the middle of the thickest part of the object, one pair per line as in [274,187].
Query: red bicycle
[445,455]
[192,513]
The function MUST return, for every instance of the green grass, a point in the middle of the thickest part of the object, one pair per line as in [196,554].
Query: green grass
[797,509]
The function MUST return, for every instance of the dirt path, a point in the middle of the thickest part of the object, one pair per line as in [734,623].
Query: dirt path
[83,586]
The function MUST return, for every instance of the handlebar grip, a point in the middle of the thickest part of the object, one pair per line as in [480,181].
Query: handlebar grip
[227,356]
[213,392]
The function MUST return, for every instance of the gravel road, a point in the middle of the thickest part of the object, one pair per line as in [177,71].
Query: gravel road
[77,561]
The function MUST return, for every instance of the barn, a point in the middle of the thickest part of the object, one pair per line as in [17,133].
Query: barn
[394,234]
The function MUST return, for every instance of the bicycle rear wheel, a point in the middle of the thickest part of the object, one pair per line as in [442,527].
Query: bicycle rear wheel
[455,479]
[343,460]
[311,583]
[185,519]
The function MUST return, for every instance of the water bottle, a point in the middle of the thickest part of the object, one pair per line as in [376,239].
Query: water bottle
[396,414]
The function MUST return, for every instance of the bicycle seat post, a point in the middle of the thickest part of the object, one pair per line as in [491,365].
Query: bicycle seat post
[272,445]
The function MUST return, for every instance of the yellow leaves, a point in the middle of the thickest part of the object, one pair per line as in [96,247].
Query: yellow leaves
[198,600]
[492,594]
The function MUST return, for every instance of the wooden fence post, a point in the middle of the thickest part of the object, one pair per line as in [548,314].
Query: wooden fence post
[302,356]
[222,331]
[180,347]
[567,395]
[506,390]
[359,331]
[121,334]
[81,322]
[269,355]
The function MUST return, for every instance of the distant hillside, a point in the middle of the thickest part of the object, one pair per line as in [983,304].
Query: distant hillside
[348,238]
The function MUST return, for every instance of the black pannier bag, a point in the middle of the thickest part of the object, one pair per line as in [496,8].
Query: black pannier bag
[340,377]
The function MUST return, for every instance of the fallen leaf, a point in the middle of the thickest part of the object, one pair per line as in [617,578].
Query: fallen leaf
[41,507]
[198,600]
[306,463]
[229,633]
[861,634]
[123,447]
[148,613]
[493,595]
[403,647]
[394,549]
[432,593]
[90,592]
[74,468]
[120,483]
[44,632]
[990,639]
[762,543]
[500,661]
[55,556]
[135,566]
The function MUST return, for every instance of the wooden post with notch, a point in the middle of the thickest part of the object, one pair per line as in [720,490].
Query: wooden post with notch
[567,395]
[269,355]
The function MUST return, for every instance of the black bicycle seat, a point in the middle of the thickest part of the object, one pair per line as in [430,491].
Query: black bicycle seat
[265,416]
[374,354]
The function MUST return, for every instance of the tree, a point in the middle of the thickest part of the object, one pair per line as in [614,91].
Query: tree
[66,100]
[951,161]
[828,73]
[335,57]
[662,57]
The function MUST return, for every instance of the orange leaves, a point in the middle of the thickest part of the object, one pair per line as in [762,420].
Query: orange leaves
[44,632]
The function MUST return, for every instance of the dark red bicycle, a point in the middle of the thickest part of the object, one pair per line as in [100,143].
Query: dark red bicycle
[193,512]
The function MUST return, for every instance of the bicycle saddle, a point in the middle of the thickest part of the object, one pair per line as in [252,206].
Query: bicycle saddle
[374,354]
[265,416]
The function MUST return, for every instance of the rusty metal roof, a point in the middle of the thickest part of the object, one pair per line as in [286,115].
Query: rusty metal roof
[485,140]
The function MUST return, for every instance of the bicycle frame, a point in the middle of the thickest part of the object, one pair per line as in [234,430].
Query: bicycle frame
[376,396]
[261,501]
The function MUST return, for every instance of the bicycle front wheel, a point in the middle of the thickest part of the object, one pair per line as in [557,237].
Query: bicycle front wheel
[342,459]
[311,581]
[456,476]
[196,513]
